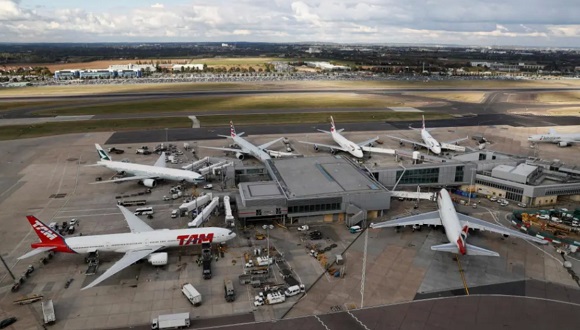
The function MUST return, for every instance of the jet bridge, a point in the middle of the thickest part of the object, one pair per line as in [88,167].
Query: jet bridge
[211,168]
[196,164]
[229,217]
[204,215]
[200,201]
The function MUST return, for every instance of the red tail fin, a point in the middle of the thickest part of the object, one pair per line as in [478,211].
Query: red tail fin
[232,129]
[465,229]
[332,128]
[48,237]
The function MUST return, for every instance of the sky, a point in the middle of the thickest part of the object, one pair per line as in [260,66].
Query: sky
[539,23]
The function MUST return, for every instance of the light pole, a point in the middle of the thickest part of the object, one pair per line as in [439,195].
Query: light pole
[166,137]
[470,184]
[267,228]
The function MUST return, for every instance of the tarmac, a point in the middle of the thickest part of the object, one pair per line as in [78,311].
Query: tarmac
[384,272]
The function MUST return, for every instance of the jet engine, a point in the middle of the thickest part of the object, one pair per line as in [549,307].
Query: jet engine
[332,151]
[158,259]
[121,173]
[506,235]
[149,183]
[240,155]
[563,144]
[315,147]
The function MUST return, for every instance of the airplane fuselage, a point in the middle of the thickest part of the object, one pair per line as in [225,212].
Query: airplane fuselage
[555,138]
[430,142]
[173,174]
[353,148]
[124,242]
[450,221]
[251,149]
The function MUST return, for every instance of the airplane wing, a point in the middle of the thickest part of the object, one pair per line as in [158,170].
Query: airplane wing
[160,161]
[225,149]
[267,144]
[367,142]
[129,178]
[335,147]
[476,223]
[127,260]
[456,140]
[408,141]
[137,225]
[429,218]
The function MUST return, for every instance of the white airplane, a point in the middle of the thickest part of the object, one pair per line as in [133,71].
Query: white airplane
[430,143]
[146,174]
[563,140]
[456,227]
[345,145]
[260,152]
[142,242]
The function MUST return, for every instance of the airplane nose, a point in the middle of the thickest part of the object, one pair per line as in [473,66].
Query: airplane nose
[359,153]
[437,150]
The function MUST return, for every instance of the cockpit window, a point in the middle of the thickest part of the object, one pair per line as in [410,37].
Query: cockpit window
[230,233]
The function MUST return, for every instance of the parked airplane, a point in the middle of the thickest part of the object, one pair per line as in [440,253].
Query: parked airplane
[355,149]
[563,140]
[430,143]
[456,227]
[260,152]
[142,242]
[146,174]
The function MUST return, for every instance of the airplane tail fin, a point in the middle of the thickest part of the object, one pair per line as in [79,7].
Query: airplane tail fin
[332,127]
[45,233]
[473,250]
[102,153]
[423,121]
[232,129]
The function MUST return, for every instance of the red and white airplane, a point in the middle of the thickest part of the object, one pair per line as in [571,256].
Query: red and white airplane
[142,242]
[456,227]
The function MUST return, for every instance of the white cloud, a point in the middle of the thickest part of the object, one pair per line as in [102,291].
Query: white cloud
[529,22]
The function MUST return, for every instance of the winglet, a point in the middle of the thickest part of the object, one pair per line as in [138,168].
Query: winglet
[102,153]
[332,127]
[232,129]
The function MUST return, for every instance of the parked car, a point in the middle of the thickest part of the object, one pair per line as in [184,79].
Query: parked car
[522,204]
[493,199]
[314,235]
[303,228]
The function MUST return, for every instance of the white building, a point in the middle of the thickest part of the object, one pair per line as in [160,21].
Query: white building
[326,66]
[178,67]
[133,67]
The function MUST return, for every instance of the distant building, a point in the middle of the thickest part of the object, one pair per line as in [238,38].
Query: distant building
[179,67]
[134,67]
[97,74]
[129,73]
[326,66]
[66,74]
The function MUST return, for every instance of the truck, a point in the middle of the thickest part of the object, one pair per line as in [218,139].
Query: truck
[171,321]
[192,294]
[230,293]
[132,203]
[271,299]
[206,266]
[48,312]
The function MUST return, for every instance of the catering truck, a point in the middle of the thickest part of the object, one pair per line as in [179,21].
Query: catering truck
[192,294]
[48,312]
[171,321]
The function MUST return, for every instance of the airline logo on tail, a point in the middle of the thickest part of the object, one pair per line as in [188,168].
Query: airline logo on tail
[332,128]
[43,230]
[102,154]
[232,129]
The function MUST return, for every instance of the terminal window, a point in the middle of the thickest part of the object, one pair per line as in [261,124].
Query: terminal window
[423,175]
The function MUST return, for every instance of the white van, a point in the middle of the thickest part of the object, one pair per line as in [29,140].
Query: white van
[292,291]
[174,213]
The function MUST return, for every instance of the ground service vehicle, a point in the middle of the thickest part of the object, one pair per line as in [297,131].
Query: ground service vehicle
[192,294]
[174,213]
[48,312]
[206,265]
[132,203]
[144,211]
[292,291]
[6,322]
[171,321]
[230,293]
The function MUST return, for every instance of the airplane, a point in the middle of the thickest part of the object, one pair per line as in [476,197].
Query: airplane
[563,140]
[430,142]
[345,145]
[142,242]
[146,174]
[260,152]
[456,227]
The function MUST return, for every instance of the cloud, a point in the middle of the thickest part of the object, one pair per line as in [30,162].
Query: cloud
[484,22]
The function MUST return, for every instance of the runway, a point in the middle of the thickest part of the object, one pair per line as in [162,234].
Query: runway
[209,133]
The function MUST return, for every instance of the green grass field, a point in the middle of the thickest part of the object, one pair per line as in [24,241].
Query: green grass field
[214,103]
[56,128]
[319,117]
